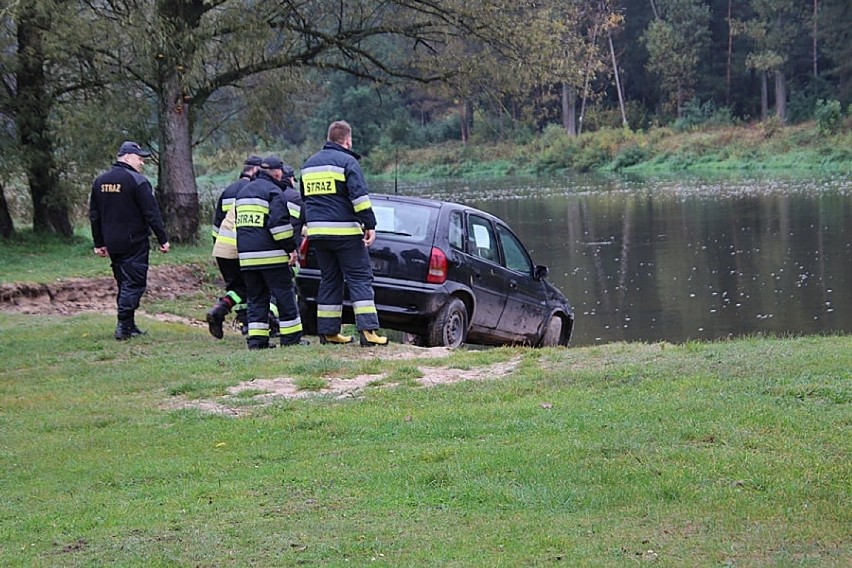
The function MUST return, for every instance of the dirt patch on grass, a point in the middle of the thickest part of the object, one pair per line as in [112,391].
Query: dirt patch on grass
[242,398]
[70,296]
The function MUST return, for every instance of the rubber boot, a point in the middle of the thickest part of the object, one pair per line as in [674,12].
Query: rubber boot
[336,339]
[242,320]
[216,317]
[124,329]
[369,338]
[135,331]
[257,343]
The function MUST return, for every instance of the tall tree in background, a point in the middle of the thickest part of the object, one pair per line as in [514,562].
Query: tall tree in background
[777,27]
[28,101]
[835,23]
[675,43]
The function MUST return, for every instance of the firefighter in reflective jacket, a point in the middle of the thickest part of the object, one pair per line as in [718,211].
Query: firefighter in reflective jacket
[225,253]
[266,250]
[340,226]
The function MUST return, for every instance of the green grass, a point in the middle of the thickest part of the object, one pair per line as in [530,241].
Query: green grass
[704,454]
[119,454]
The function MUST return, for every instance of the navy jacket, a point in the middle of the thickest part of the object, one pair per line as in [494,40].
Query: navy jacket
[123,210]
[337,202]
[264,229]
[225,202]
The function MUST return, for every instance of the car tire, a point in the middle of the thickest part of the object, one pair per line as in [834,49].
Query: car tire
[449,328]
[553,333]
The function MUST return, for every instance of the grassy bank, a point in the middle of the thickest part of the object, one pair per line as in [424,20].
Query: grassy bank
[759,147]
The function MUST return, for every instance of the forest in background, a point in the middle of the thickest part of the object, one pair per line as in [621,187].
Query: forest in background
[198,80]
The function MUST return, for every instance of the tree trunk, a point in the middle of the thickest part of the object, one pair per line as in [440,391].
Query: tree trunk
[569,109]
[764,95]
[617,83]
[730,54]
[33,104]
[7,227]
[815,14]
[781,96]
[176,191]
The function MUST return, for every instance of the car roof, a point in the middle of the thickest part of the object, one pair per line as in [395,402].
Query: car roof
[449,205]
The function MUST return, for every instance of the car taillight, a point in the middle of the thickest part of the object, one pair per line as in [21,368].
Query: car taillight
[437,267]
[303,252]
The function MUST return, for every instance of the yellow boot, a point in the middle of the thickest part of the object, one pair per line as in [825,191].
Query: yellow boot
[337,338]
[369,338]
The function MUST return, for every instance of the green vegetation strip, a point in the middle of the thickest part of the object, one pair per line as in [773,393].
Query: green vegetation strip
[729,453]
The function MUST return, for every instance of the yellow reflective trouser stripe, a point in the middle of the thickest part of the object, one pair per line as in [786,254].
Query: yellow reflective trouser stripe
[329,311]
[258,330]
[288,327]
[262,261]
[364,307]
[342,231]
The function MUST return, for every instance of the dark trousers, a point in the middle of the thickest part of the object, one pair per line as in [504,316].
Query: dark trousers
[275,284]
[130,270]
[234,281]
[344,261]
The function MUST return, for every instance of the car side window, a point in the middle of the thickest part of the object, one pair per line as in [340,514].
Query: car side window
[456,236]
[482,240]
[517,258]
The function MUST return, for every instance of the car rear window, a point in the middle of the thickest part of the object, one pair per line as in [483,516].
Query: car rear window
[405,220]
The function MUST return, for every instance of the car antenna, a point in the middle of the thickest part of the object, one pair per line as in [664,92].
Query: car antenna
[396,172]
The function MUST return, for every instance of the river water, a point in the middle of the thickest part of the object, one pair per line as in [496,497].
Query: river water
[680,259]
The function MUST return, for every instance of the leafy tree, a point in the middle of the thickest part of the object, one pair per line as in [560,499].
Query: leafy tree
[183,52]
[775,29]
[675,43]
[27,102]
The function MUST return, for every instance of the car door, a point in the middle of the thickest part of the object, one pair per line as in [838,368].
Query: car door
[526,301]
[487,281]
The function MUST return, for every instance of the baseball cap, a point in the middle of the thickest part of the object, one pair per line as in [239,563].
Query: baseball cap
[272,163]
[128,147]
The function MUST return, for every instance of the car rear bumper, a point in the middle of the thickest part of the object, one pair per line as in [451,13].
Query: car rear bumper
[403,305]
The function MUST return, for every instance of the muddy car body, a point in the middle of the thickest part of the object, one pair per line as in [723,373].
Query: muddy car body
[447,274]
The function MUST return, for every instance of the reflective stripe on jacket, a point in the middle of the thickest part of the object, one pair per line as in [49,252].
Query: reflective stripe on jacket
[225,203]
[264,229]
[337,201]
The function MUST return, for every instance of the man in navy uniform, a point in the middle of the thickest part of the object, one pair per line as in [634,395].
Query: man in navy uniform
[341,225]
[123,213]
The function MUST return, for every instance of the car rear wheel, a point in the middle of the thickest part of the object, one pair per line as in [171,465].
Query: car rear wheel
[449,328]
[553,333]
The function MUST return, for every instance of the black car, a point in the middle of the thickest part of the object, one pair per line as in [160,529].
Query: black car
[447,274]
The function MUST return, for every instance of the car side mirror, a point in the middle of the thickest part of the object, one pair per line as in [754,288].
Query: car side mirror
[540,271]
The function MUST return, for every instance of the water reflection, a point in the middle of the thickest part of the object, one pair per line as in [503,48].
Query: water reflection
[649,260]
